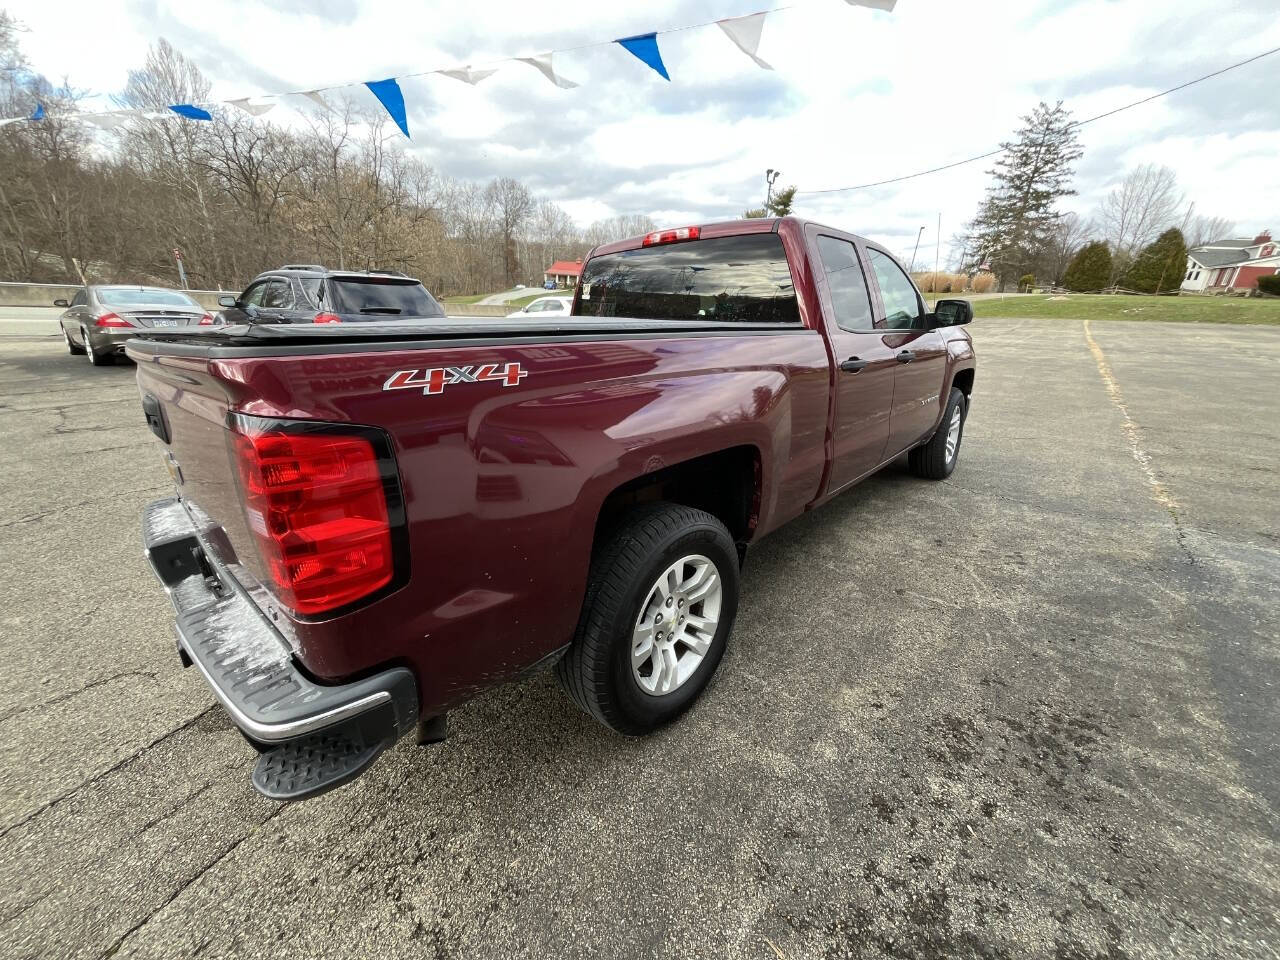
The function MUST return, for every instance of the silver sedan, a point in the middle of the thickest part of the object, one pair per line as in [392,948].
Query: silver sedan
[101,318]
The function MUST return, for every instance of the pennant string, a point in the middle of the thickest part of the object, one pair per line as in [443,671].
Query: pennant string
[744,31]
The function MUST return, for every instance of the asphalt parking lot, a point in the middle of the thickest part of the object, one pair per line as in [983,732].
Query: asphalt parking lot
[1028,712]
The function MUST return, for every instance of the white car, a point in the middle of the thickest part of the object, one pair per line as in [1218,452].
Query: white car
[545,307]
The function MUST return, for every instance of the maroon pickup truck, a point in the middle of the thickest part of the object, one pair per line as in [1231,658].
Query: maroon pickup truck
[374,522]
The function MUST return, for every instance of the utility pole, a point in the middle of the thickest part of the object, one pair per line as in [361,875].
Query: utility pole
[937,249]
[911,269]
[770,176]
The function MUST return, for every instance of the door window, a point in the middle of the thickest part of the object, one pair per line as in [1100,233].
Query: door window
[278,296]
[849,297]
[902,308]
[253,296]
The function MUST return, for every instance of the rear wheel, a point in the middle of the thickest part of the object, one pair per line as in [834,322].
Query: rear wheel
[95,357]
[71,347]
[936,459]
[661,597]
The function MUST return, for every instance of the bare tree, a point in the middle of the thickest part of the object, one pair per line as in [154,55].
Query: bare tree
[1144,204]
[1069,234]
[618,228]
[1201,230]
[512,205]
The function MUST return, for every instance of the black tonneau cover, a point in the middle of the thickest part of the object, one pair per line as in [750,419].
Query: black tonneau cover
[283,338]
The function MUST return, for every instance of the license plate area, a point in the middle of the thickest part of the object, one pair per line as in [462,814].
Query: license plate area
[164,323]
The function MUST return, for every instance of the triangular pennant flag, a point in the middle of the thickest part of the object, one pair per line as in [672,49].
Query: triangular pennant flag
[886,5]
[319,101]
[190,112]
[253,109]
[389,95]
[38,113]
[745,33]
[542,63]
[467,75]
[645,49]
[10,120]
[109,121]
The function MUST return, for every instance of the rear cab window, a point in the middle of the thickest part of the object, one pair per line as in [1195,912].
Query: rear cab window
[744,279]
[380,297]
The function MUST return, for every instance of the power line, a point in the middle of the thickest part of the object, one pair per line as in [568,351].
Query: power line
[1074,123]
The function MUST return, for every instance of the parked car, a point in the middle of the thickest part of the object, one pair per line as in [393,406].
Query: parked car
[310,293]
[100,318]
[549,285]
[545,307]
[401,516]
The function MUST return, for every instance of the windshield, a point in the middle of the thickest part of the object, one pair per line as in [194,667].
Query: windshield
[743,279]
[380,296]
[137,296]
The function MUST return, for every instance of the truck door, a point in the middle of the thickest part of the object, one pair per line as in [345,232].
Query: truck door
[920,354]
[865,364]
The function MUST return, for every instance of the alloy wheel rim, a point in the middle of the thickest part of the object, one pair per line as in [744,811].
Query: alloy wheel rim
[676,625]
[953,434]
[88,347]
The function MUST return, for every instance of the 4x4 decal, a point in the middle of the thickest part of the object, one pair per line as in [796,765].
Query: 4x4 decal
[434,381]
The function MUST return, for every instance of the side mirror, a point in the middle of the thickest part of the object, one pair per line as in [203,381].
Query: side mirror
[226,300]
[952,313]
[61,303]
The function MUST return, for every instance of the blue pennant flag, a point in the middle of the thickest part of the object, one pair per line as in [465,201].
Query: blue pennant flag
[645,49]
[388,93]
[38,113]
[190,112]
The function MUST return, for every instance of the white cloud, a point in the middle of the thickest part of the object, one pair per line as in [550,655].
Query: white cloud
[855,96]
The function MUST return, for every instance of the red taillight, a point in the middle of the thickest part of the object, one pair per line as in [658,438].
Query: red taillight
[206,320]
[671,236]
[327,318]
[111,320]
[316,506]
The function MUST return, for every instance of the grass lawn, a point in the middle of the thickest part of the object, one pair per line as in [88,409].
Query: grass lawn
[474,298]
[1100,307]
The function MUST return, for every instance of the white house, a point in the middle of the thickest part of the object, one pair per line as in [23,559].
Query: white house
[1226,265]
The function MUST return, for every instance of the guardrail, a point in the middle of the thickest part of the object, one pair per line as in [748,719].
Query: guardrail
[43,294]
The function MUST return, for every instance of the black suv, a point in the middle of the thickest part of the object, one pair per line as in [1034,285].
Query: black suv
[308,293]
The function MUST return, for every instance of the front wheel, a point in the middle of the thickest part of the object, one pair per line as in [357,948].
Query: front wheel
[661,598]
[936,459]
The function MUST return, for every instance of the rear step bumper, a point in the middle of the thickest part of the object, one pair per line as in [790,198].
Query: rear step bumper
[312,737]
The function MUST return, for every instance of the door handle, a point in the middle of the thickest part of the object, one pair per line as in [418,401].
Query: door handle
[853,365]
[906,356]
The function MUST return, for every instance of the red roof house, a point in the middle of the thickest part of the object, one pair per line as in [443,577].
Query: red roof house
[563,273]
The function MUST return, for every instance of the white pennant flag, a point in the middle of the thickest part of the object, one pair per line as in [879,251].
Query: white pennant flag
[255,109]
[886,5]
[110,121]
[319,101]
[542,63]
[5,123]
[467,75]
[745,33]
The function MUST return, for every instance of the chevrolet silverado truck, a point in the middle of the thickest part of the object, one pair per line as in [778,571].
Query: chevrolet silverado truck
[375,522]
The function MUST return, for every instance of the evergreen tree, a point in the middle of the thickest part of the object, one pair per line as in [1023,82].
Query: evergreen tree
[1016,220]
[1090,269]
[1160,266]
[779,205]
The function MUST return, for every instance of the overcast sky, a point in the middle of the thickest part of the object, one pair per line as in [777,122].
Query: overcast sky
[856,95]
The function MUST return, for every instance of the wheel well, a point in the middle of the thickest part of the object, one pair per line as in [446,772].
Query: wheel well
[964,381]
[726,484]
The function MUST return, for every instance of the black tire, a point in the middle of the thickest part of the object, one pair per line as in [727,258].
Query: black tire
[71,347]
[96,357]
[596,671]
[930,460]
